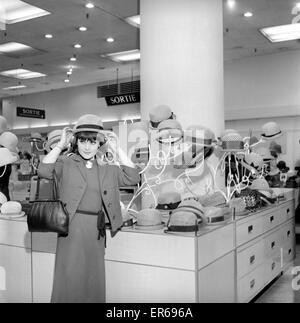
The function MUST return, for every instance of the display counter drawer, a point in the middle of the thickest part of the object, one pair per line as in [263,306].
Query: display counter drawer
[288,233]
[272,244]
[249,285]
[249,258]
[272,268]
[248,230]
[288,253]
[15,233]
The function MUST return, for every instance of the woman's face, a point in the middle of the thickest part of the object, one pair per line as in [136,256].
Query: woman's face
[87,148]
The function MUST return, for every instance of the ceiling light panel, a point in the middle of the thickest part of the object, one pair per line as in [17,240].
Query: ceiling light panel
[134,20]
[282,33]
[131,55]
[16,87]
[21,74]
[17,11]
[13,47]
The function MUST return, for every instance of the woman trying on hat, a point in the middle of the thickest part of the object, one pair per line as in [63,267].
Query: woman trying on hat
[90,191]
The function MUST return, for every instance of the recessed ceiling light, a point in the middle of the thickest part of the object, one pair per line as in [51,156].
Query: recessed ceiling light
[17,11]
[66,80]
[231,3]
[13,47]
[110,40]
[90,5]
[21,74]
[77,46]
[130,55]
[69,72]
[282,33]
[14,87]
[73,59]
[82,28]
[48,36]
[248,14]
[134,20]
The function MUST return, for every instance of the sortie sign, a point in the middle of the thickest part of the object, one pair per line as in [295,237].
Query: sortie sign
[30,113]
[123,99]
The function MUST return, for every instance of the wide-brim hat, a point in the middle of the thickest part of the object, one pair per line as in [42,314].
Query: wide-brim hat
[231,140]
[271,130]
[11,208]
[7,157]
[10,141]
[169,131]
[53,137]
[260,184]
[159,114]
[3,124]
[149,219]
[168,201]
[89,123]
[216,215]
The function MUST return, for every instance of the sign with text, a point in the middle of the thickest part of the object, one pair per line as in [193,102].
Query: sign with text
[123,99]
[30,113]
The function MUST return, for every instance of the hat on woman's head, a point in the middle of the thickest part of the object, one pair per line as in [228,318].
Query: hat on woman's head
[149,219]
[271,130]
[3,124]
[9,141]
[169,131]
[88,122]
[53,138]
[7,157]
[159,114]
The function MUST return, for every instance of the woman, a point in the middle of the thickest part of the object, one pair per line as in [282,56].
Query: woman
[90,191]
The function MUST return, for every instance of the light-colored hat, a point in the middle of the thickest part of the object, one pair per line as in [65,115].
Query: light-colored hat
[88,122]
[239,205]
[254,160]
[9,141]
[232,141]
[3,124]
[169,131]
[271,130]
[214,199]
[7,157]
[35,136]
[159,114]
[168,201]
[53,138]
[216,215]
[260,184]
[11,208]
[3,199]
[149,219]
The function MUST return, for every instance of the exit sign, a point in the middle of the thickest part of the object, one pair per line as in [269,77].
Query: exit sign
[128,98]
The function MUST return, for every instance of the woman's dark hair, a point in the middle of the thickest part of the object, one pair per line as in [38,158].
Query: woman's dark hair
[84,135]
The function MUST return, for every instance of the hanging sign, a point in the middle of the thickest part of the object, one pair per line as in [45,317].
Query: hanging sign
[128,98]
[30,113]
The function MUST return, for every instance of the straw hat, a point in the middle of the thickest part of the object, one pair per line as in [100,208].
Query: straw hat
[3,124]
[271,130]
[7,157]
[232,141]
[169,131]
[36,136]
[88,122]
[159,114]
[260,184]
[149,219]
[168,201]
[53,139]
[9,141]
[11,208]
[216,215]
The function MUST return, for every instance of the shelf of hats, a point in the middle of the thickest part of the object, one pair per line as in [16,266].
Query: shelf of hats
[196,229]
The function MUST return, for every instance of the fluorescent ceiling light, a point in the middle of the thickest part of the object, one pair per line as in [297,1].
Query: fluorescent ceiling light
[21,74]
[248,14]
[110,40]
[15,87]
[13,47]
[82,28]
[17,11]
[130,55]
[48,36]
[134,20]
[90,5]
[282,33]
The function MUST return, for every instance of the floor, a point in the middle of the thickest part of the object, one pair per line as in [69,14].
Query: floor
[281,291]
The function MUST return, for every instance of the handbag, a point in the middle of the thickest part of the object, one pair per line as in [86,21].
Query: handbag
[48,215]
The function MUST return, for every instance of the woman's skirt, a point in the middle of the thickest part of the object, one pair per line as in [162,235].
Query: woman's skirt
[79,275]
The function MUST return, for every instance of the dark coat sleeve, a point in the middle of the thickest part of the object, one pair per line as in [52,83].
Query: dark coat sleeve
[47,170]
[127,176]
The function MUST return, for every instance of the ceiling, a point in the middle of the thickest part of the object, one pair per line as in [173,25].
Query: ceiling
[241,39]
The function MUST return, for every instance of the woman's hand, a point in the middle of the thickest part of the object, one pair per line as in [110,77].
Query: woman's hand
[65,139]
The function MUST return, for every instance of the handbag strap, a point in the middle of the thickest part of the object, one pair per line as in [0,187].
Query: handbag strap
[37,193]
[55,187]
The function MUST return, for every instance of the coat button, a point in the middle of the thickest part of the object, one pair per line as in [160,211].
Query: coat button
[109,204]
[105,192]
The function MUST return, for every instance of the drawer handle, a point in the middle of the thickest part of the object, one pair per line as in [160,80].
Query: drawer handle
[252,283]
[252,260]
[272,218]
[250,228]
[273,244]
[290,251]
[288,233]
[273,265]
[288,211]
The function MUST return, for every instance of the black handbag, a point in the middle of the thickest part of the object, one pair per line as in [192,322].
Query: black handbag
[48,215]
